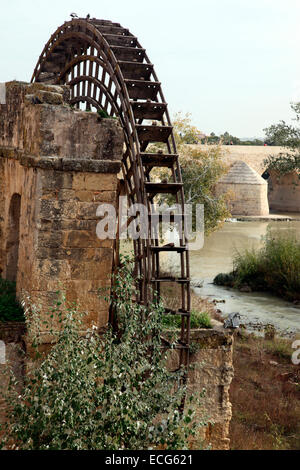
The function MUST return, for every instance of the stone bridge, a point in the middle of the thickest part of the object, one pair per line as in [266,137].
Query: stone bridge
[253,155]
[251,195]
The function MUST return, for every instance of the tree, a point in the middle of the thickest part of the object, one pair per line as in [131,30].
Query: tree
[184,131]
[287,136]
[201,169]
[283,134]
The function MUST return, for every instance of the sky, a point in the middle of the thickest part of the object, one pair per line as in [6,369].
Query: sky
[233,64]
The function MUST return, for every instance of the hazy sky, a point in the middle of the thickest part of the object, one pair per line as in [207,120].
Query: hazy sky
[233,64]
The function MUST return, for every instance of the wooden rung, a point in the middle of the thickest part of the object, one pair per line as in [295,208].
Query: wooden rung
[99,22]
[163,188]
[142,89]
[112,30]
[151,160]
[181,346]
[118,40]
[178,249]
[134,54]
[135,70]
[148,134]
[171,279]
[148,109]
[160,218]
[181,312]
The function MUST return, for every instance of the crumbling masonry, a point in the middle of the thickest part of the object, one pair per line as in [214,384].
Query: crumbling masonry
[56,166]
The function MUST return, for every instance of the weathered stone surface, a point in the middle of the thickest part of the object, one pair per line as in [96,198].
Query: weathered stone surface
[62,163]
[90,182]
[212,370]
[284,191]
[247,190]
[44,125]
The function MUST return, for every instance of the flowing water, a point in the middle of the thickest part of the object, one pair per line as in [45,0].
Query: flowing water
[256,309]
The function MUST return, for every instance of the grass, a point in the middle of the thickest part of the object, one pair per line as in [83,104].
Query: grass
[274,268]
[198,320]
[202,311]
[279,348]
[10,309]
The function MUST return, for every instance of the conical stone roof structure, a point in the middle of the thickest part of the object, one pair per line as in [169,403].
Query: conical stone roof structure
[242,173]
[247,191]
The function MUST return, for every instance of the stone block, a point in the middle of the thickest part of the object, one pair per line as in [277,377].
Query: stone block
[94,182]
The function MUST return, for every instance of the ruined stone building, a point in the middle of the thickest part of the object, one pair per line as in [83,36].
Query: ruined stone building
[247,190]
[56,166]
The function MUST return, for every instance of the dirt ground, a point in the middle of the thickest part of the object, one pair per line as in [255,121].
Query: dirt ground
[265,395]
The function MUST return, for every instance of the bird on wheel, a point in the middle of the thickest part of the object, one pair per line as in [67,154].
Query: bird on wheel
[74,15]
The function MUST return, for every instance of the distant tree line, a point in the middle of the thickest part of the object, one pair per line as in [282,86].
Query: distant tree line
[228,139]
[287,136]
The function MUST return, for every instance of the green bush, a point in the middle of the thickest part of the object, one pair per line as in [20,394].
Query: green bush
[224,279]
[109,392]
[200,320]
[249,269]
[10,309]
[275,267]
[282,256]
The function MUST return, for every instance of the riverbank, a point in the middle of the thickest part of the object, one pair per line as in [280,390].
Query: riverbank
[265,391]
[272,217]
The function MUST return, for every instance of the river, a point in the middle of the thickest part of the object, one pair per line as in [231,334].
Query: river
[256,309]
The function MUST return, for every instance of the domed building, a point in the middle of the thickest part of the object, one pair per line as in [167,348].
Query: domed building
[248,191]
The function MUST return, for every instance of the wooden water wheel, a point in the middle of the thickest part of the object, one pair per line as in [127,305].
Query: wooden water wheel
[107,68]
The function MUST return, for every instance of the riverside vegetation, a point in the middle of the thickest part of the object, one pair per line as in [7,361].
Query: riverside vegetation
[274,268]
[101,392]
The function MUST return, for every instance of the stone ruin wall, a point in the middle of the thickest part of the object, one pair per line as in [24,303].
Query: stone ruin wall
[212,370]
[62,164]
[245,199]
[284,192]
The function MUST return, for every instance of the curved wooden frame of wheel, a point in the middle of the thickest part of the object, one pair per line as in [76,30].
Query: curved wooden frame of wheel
[106,68]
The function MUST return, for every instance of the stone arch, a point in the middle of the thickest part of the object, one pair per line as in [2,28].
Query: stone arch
[13,236]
